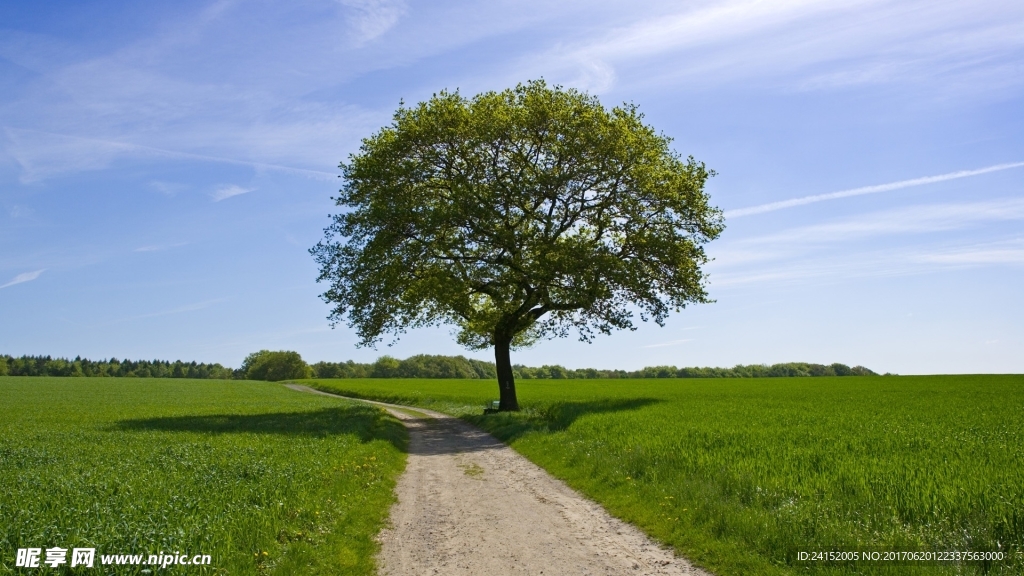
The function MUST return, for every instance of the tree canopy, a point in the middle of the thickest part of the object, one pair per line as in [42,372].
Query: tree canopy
[275,366]
[517,215]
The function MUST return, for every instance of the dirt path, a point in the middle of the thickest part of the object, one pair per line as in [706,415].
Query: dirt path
[470,505]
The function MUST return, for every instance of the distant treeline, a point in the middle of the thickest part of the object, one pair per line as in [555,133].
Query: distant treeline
[420,366]
[424,366]
[47,366]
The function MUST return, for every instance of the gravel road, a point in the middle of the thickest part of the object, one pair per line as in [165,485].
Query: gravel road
[470,505]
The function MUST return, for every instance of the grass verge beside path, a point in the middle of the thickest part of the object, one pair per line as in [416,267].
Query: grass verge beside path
[263,479]
[739,475]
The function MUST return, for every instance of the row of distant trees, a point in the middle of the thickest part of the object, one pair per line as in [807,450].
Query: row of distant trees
[424,366]
[284,365]
[789,369]
[47,366]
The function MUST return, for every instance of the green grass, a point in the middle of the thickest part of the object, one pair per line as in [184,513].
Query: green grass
[264,479]
[740,474]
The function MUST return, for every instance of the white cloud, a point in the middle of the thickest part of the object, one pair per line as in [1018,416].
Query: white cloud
[24,277]
[372,18]
[45,154]
[846,247]
[260,85]
[878,263]
[906,220]
[168,188]
[710,24]
[593,75]
[875,189]
[229,190]
[41,154]
[805,44]
[1011,252]
[167,95]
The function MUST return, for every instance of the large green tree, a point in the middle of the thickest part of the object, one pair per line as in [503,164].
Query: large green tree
[515,215]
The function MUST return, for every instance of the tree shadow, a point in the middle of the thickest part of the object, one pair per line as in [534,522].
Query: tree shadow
[440,436]
[555,417]
[364,422]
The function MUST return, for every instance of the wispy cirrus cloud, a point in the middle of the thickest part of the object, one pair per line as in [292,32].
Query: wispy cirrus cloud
[23,277]
[918,219]
[228,191]
[1008,252]
[372,18]
[907,261]
[875,189]
[162,96]
[855,234]
[266,98]
[43,154]
[167,188]
[179,310]
[938,237]
[801,44]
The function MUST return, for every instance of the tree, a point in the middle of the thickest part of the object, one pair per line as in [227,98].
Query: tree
[515,215]
[275,366]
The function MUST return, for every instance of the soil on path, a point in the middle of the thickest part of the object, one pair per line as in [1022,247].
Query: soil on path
[470,505]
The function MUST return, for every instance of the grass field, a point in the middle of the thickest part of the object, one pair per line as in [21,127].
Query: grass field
[739,475]
[263,479]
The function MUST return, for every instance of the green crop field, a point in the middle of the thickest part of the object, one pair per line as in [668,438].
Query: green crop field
[263,479]
[741,475]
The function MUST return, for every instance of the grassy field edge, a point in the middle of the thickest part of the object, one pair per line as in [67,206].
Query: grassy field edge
[266,480]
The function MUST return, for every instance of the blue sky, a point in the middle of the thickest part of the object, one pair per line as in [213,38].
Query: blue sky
[164,168]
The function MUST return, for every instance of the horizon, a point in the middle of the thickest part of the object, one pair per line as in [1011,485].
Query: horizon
[386,356]
[165,168]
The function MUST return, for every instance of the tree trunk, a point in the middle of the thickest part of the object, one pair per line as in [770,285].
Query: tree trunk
[506,380]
